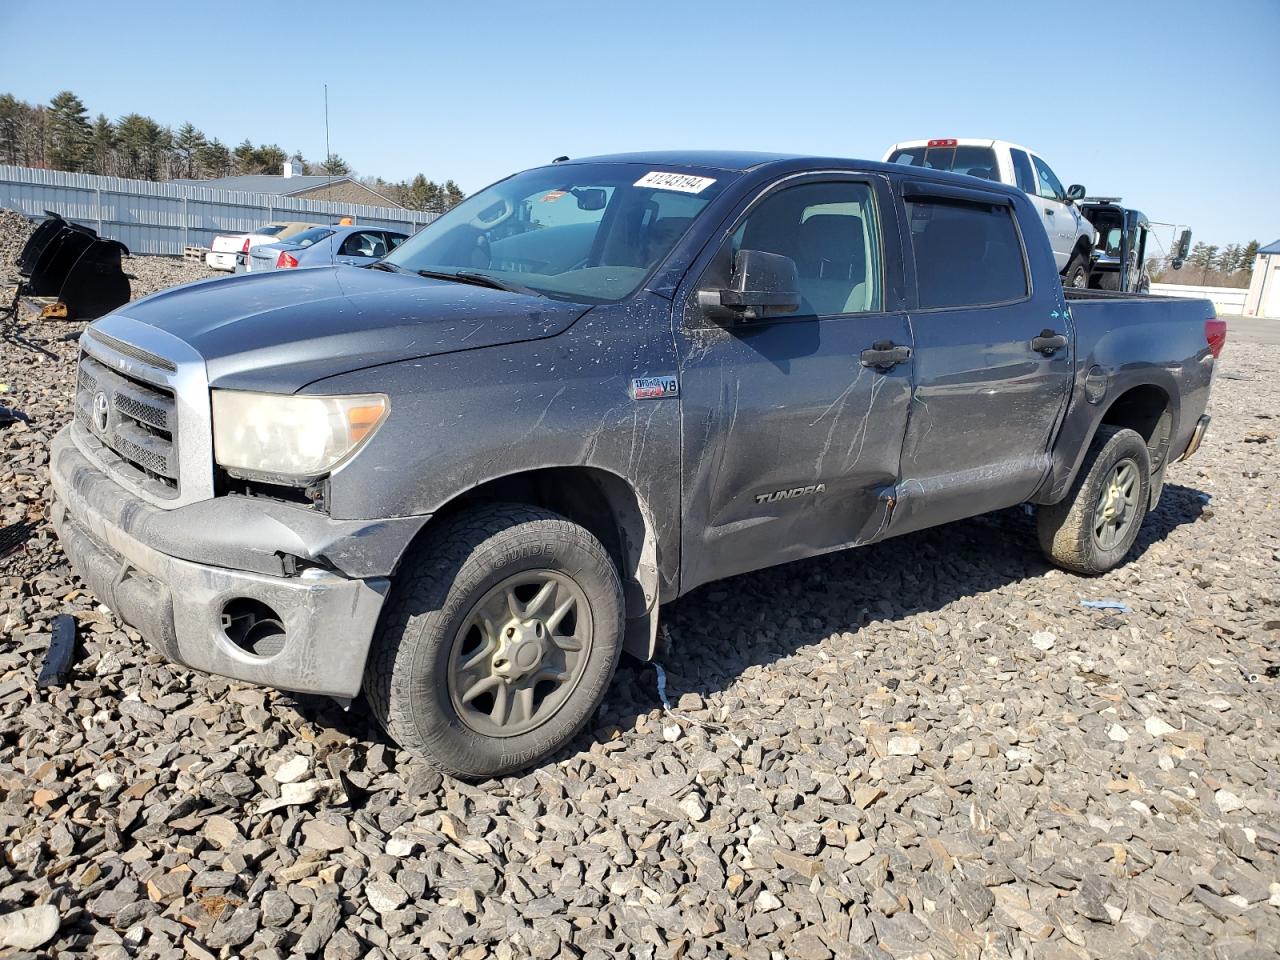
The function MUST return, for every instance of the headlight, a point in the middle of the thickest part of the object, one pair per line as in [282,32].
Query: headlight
[291,436]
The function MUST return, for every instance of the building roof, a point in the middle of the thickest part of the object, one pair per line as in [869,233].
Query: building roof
[278,185]
[1272,247]
[266,183]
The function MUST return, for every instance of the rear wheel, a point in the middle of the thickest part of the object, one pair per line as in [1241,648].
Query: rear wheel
[1077,273]
[501,636]
[1093,529]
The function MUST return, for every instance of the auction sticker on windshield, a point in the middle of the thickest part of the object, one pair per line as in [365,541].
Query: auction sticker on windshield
[683,182]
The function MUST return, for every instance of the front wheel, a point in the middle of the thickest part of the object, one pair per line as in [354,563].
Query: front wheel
[1094,527]
[502,633]
[1077,273]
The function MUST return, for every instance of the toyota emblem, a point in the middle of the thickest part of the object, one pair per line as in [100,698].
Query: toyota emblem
[101,412]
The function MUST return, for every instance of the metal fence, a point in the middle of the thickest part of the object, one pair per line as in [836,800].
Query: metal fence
[163,218]
[1225,299]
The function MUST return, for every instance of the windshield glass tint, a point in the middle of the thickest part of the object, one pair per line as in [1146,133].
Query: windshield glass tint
[587,232]
[975,161]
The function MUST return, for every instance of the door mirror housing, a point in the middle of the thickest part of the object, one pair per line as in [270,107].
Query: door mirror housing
[1181,249]
[1075,193]
[762,285]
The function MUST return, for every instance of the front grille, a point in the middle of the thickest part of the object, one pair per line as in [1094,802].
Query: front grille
[132,423]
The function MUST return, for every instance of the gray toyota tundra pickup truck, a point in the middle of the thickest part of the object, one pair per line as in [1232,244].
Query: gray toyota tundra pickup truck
[466,477]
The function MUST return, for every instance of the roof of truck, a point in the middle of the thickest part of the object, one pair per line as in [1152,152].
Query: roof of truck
[743,161]
[734,160]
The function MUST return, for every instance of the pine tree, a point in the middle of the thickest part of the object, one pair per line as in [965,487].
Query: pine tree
[335,166]
[1229,259]
[187,142]
[12,114]
[453,194]
[269,158]
[242,159]
[214,159]
[102,147]
[69,132]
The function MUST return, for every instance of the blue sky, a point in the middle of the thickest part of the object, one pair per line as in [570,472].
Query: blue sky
[1164,104]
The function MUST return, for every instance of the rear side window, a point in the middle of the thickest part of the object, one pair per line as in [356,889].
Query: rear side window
[270,230]
[974,161]
[1023,177]
[966,254]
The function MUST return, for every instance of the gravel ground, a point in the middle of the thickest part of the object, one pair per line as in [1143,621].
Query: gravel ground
[928,748]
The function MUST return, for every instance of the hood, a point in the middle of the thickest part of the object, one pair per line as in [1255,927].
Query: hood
[281,330]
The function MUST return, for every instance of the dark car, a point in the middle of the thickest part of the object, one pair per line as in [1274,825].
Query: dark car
[466,477]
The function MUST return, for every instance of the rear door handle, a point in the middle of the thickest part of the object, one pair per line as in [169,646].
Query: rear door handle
[1048,342]
[885,354]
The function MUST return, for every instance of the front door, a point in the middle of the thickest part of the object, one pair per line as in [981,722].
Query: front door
[791,441]
[992,359]
[1058,215]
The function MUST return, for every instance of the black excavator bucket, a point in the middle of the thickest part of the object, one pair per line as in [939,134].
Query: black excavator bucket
[72,263]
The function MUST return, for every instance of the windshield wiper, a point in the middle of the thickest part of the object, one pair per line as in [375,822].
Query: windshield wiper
[383,265]
[478,279]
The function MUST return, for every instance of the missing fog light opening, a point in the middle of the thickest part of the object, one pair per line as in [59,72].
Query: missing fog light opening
[253,627]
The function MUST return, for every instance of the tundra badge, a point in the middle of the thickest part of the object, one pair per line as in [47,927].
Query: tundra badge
[791,493]
[653,388]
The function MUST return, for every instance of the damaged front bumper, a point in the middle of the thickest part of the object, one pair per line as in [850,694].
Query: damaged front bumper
[184,578]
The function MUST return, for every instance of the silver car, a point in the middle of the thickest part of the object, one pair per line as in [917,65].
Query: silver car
[322,246]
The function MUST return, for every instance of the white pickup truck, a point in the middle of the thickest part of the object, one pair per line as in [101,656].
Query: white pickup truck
[1070,234]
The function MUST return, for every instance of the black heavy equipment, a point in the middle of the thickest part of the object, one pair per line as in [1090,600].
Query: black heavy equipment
[75,266]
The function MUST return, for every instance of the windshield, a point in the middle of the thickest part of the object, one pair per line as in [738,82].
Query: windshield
[307,237]
[586,232]
[975,161]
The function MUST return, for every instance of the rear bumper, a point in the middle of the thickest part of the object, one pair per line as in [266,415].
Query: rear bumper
[220,261]
[1197,437]
[178,604]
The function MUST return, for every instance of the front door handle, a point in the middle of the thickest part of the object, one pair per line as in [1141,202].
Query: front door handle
[885,355]
[1048,342]
[1048,212]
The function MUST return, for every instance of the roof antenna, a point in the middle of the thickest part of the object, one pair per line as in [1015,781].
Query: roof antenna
[328,155]
[559,159]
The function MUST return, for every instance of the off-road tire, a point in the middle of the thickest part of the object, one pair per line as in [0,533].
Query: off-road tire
[1066,528]
[406,678]
[1077,269]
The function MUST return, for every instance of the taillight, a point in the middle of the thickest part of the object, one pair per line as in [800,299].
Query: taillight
[284,260]
[245,248]
[942,143]
[1215,334]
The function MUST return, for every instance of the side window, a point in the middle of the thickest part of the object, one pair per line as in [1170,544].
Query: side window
[831,232]
[1023,177]
[966,253]
[395,239]
[1050,186]
[364,243]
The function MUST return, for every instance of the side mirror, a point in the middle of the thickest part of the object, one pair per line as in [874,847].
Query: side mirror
[1076,193]
[590,198]
[1181,248]
[762,285]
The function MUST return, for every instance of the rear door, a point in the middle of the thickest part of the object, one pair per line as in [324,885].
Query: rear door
[791,442]
[1059,217]
[992,358]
